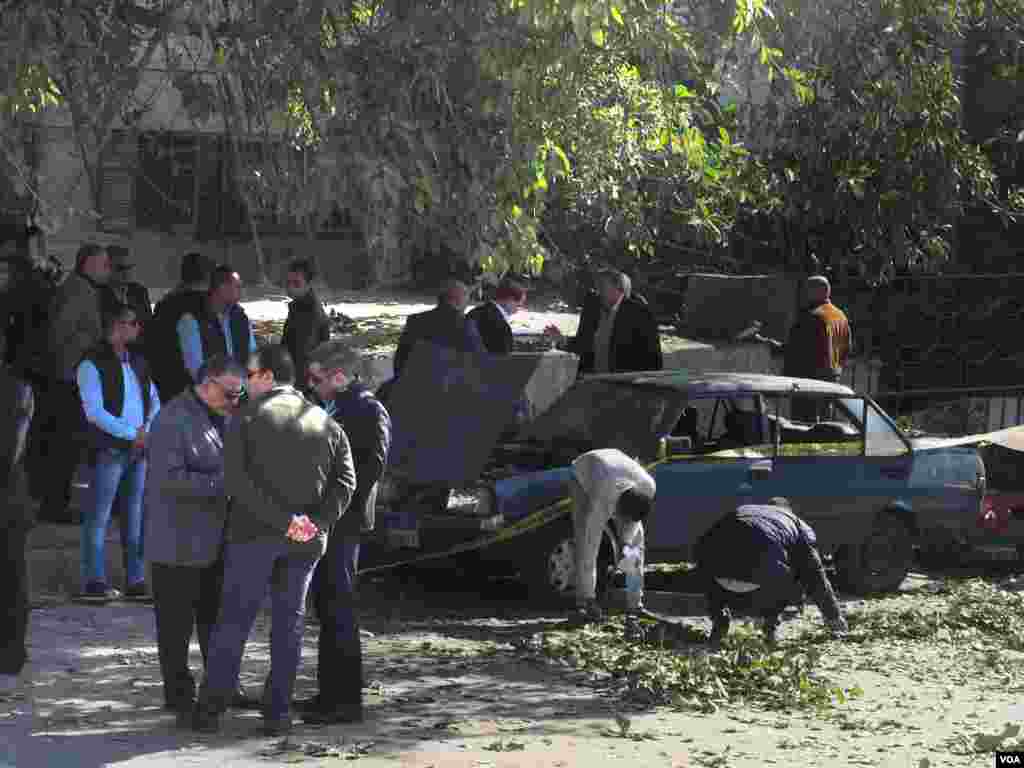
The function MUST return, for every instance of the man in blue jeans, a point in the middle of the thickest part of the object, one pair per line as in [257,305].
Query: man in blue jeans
[289,476]
[120,403]
[368,427]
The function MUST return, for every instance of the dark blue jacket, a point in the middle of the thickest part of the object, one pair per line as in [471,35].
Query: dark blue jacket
[443,325]
[760,544]
[368,426]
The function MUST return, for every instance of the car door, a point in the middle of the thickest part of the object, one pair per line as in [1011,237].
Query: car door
[698,487]
[839,462]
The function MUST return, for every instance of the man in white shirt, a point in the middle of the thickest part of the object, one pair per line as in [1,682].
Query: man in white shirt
[607,485]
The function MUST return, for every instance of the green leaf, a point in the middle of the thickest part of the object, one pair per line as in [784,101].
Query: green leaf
[617,16]
[597,35]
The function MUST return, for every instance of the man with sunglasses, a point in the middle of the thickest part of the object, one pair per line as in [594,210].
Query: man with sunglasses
[120,402]
[186,512]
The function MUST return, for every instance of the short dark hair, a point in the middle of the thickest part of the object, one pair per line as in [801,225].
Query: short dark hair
[221,274]
[634,505]
[194,268]
[112,311]
[276,359]
[334,355]
[303,267]
[220,365]
[85,252]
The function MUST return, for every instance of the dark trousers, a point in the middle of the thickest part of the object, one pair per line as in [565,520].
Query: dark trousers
[339,652]
[767,602]
[184,597]
[55,447]
[15,605]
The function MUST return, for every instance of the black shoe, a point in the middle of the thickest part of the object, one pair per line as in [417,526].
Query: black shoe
[242,700]
[277,727]
[302,706]
[138,593]
[333,716]
[97,593]
[205,721]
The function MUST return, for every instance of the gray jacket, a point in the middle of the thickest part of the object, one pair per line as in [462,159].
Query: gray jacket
[186,509]
[77,325]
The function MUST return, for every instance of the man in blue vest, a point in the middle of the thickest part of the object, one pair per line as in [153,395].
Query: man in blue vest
[120,403]
[223,328]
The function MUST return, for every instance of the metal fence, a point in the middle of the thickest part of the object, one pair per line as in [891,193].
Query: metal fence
[957,410]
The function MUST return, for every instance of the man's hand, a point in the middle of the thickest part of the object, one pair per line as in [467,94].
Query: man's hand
[139,444]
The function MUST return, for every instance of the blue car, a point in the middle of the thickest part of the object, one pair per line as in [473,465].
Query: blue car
[713,441]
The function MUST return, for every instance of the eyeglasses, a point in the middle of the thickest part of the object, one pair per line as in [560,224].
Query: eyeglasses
[250,373]
[230,394]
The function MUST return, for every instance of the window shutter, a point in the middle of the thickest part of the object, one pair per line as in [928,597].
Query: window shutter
[117,199]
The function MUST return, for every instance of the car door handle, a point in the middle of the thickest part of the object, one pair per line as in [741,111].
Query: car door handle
[896,472]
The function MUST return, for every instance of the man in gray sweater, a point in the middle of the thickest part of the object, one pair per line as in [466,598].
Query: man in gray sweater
[289,476]
[186,512]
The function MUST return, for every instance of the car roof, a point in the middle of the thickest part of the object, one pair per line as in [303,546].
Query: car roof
[714,383]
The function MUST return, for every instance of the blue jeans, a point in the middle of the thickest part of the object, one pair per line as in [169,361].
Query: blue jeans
[118,477]
[249,567]
[339,652]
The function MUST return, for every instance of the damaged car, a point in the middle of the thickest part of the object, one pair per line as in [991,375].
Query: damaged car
[712,441]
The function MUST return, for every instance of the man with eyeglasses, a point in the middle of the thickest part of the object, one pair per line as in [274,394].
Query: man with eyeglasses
[120,402]
[186,513]
[289,475]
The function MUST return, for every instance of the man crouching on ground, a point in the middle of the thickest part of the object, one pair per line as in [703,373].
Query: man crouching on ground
[289,474]
[607,485]
[758,560]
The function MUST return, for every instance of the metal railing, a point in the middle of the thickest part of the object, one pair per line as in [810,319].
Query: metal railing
[964,410]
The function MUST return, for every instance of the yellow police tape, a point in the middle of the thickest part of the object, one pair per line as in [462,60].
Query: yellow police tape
[529,523]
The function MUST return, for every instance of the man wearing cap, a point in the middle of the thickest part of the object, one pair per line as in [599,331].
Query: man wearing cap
[129,292]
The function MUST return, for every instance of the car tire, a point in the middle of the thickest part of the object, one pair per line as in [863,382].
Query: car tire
[940,549]
[881,561]
[551,573]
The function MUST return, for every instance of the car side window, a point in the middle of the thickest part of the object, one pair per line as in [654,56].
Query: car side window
[816,425]
[882,437]
[725,424]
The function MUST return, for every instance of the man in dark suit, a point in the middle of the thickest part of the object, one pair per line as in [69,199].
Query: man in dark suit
[307,325]
[336,387]
[617,331]
[492,318]
[445,325]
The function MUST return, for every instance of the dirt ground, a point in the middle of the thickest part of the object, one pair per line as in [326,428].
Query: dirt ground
[450,684]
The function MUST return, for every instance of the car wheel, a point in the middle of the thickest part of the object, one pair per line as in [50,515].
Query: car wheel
[940,549]
[552,563]
[881,561]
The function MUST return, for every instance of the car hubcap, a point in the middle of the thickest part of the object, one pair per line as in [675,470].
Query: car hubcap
[562,566]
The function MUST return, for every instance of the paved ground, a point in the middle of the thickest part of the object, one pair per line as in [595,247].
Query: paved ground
[449,687]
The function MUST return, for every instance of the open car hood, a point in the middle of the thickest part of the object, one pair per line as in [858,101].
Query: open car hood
[448,409]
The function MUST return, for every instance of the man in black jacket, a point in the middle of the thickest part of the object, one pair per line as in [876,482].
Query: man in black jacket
[760,559]
[445,325]
[617,331]
[162,348]
[368,426]
[16,407]
[129,291]
[492,318]
[307,325]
